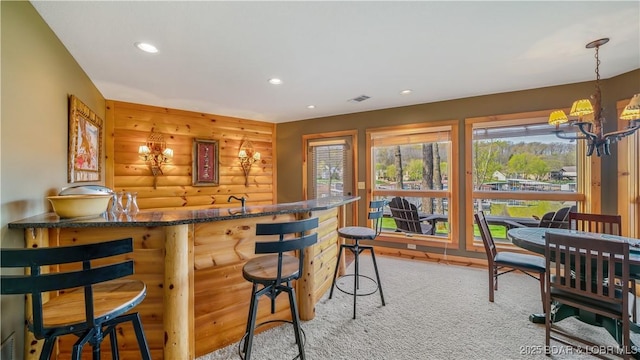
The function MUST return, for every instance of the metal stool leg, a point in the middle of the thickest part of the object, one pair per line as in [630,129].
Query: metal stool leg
[335,272]
[356,278]
[113,339]
[47,348]
[77,347]
[142,340]
[375,267]
[251,322]
[296,321]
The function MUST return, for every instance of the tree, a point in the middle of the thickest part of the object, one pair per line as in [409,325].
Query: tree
[518,164]
[427,175]
[398,163]
[391,172]
[437,178]
[538,168]
[414,169]
[486,160]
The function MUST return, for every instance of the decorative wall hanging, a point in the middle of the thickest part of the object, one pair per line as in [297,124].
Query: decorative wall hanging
[85,143]
[205,162]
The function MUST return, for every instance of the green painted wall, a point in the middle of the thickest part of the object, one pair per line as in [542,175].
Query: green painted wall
[37,75]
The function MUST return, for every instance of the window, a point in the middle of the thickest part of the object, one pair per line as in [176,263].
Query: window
[518,170]
[330,164]
[414,163]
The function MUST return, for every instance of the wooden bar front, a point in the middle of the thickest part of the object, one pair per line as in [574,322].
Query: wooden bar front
[197,300]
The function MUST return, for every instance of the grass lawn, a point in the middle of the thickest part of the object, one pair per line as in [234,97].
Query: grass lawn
[498,232]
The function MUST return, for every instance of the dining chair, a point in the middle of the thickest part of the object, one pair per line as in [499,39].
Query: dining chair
[596,223]
[590,261]
[503,262]
[357,233]
[275,271]
[603,224]
[86,299]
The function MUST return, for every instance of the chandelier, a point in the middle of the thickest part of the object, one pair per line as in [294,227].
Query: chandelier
[589,116]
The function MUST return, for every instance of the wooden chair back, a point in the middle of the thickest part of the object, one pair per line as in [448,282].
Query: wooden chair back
[596,223]
[38,282]
[561,218]
[487,239]
[546,219]
[592,261]
[407,217]
[291,237]
[596,266]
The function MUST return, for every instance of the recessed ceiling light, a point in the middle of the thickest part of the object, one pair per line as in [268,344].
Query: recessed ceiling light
[405,92]
[311,106]
[146,47]
[275,81]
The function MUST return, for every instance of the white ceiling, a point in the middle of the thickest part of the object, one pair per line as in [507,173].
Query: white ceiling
[216,56]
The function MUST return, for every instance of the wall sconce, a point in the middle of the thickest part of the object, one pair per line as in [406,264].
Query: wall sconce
[156,153]
[247,157]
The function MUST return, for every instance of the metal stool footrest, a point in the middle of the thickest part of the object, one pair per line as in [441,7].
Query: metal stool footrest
[244,337]
[377,286]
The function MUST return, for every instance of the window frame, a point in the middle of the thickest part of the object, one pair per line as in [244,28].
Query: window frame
[452,192]
[587,194]
[628,177]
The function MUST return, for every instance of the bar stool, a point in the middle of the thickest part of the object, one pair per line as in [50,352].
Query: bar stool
[275,273]
[92,301]
[357,233]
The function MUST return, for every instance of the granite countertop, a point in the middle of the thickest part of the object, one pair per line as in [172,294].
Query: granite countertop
[179,217]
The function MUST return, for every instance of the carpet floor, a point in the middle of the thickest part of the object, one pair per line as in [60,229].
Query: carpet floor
[433,311]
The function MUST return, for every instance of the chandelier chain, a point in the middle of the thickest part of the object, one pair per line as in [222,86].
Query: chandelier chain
[598,93]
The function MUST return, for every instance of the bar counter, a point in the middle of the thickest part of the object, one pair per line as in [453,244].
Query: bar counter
[191,260]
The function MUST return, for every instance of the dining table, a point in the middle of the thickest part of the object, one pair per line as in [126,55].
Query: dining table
[533,239]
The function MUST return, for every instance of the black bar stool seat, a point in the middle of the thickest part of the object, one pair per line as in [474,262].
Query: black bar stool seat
[357,233]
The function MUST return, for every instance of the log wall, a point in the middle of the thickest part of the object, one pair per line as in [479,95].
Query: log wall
[128,126]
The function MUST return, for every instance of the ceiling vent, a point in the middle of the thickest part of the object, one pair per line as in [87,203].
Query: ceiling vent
[360,98]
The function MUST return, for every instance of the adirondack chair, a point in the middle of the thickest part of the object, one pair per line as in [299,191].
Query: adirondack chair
[407,217]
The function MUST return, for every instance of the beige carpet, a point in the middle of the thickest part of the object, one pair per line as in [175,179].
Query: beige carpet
[433,311]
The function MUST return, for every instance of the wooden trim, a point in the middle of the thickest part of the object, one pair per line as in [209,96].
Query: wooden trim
[528,195]
[522,118]
[412,193]
[109,144]
[402,128]
[427,256]
[628,178]
[468,178]
[274,161]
